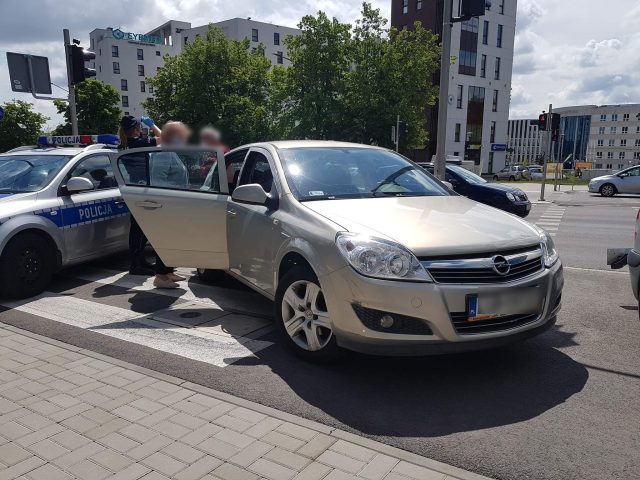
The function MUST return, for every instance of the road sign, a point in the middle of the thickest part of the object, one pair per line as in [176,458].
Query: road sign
[20,76]
[498,147]
[1,114]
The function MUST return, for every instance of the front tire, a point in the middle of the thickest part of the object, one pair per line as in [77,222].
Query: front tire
[26,266]
[302,317]
[495,178]
[512,178]
[209,276]
[608,190]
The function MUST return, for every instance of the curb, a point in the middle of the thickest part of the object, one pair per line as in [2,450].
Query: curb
[382,448]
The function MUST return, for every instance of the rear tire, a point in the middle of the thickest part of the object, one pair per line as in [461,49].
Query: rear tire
[26,266]
[302,317]
[210,276]
[608,190]
[495,178]
[512,178]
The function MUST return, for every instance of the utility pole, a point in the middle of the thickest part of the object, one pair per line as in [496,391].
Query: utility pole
[443,102]
[72,90]
[550,150]
[398,133]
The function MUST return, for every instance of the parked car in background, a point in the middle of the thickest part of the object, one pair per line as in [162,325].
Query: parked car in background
[358,247]
[625,181]
[512,173]
[504,197]
[535,172]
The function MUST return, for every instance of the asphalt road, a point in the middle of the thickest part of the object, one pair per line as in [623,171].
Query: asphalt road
[565,405]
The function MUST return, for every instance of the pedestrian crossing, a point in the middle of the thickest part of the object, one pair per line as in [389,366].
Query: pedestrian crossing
[218,326]
[551,219]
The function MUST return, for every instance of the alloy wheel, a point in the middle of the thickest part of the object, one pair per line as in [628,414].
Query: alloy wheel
[305,316]
[607,190]
[29,265]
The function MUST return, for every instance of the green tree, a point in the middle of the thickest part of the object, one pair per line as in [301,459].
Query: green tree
[97,107]
[215,81]
[21,125]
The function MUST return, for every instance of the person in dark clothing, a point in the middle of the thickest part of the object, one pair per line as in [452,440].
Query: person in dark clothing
[131,137]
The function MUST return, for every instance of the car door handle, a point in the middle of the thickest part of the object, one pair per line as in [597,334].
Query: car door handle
[232,213]
[149,205]
[119,202]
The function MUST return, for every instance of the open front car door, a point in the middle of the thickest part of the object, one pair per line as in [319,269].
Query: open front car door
[178,196]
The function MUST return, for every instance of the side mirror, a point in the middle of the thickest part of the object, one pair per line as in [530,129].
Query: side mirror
[79,184]
[623,175]
[449,185]
[253,194]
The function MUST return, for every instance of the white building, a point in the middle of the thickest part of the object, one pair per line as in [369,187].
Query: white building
[525,144]
[126,59]
[480,81]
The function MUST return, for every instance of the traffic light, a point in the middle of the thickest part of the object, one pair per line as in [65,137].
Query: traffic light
[473,8]
[79,73]
[555,123]
[542,122]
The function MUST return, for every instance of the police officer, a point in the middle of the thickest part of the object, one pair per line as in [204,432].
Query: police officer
[130,134]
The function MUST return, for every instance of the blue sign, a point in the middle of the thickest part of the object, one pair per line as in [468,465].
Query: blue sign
[498,147]
[1,114]
[136,37]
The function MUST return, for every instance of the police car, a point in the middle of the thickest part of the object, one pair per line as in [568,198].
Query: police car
[59,206]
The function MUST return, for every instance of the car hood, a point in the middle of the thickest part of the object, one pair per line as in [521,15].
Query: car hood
[603,178]
[14,204]
[431,226]
[498,187]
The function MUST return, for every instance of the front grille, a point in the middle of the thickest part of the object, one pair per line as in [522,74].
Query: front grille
[464,327]
[480,270]
[522,197]
[402,324]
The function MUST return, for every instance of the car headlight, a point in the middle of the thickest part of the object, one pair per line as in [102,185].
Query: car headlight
[380,258]
[549,251]
[511,196]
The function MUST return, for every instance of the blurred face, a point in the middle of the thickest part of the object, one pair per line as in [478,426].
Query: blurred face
[209,139]
[175,134]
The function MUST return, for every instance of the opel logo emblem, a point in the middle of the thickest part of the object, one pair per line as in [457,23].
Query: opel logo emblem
[501,265]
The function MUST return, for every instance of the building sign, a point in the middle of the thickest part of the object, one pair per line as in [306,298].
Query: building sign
[498,147]
[136,37]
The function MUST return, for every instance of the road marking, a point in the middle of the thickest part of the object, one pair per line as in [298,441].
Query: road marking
[550,220]
[596,270]
[221,340]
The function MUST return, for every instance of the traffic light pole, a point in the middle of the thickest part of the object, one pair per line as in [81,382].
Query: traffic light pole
[398,133]
[443,102]
[72,90]
[550,150]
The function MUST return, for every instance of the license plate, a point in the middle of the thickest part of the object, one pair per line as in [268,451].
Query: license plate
[521,301]
[528,207]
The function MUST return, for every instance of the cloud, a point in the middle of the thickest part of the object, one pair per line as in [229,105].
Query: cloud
[593,50]
[519,96]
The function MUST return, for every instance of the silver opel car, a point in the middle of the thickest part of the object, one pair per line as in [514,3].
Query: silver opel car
[358,247]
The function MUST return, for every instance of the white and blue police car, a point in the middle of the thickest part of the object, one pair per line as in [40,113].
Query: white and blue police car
[59,206]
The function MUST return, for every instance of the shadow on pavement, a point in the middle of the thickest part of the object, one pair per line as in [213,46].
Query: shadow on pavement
[437,396]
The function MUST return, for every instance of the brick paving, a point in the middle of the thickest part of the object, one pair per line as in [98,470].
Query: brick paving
[69,413]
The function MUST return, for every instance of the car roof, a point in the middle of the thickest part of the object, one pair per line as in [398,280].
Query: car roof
[285,144]
[57,151]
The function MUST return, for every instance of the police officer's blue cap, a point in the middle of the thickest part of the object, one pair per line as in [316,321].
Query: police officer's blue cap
[128,122]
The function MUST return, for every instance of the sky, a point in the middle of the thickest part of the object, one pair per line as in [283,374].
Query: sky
[567,52]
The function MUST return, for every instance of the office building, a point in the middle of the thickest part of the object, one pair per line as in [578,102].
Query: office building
[126,59]
[525,144]
[480,83]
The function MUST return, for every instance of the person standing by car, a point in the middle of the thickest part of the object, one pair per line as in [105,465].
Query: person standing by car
[210,137]
[130,134]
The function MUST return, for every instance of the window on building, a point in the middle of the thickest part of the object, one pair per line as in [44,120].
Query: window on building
[601,143]
[141,70]
[501,7]
[609,165]
[418,4]
[603,118]
[621,155]
[492,138]
[638,130]
[114,51]
[625,130]
[186,40]
[143,86]
[126,113]
[485,33]
[276,38]
[150,89]
[612,143]
[468,47]
[140,54]
[636,155]
[625,117]
[405,6]
[613,130]
[157,53]
[459,97]
[116,67]
[499,39]
[494,107]
[609,155]
[99,52]
[483,66]
[100,68]
[637,142]
[125,101]
[279,58]
[497,72]
[598,155]
[623,142]
[614,117]
[457,133]
[254,35]
[123,85]
[601,131]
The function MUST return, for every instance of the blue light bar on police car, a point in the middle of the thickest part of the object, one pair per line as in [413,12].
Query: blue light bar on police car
[108,139]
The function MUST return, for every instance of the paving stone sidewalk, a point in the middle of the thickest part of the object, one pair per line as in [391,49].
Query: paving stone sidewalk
[68,413]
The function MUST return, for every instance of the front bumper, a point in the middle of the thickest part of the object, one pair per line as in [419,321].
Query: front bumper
[522,209]
[432,304]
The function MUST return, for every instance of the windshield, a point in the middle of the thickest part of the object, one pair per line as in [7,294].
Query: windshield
[337,173]
[28,173]
[466,175]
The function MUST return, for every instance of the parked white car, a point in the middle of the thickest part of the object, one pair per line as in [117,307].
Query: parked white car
[625,181]
[512,173]
[358,247]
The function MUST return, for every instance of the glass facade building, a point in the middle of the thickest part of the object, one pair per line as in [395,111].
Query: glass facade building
[574,137]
